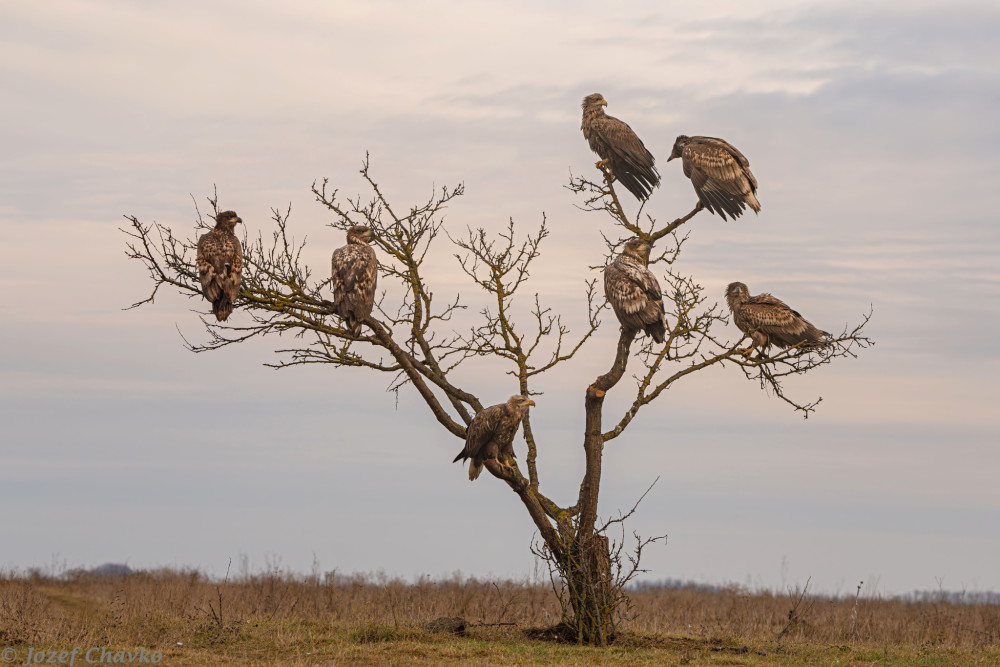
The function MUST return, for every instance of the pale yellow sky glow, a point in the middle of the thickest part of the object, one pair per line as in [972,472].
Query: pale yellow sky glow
[870,127]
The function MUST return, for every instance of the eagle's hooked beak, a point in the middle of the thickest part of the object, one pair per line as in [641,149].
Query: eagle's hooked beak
[603,102]
[530,402]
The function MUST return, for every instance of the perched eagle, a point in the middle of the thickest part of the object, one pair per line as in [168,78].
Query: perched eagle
[491,434]
[769,320]
[621,151]
[720,174]
[220,264]
[633,291]
[355,272]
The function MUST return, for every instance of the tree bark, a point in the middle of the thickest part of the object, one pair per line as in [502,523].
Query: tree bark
[588,575]
[593,440]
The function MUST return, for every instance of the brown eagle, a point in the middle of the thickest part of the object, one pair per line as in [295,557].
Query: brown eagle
[720,174]
[620,149]
[220,264]
[355,272]
[633,291]
[768,320]
[491,434]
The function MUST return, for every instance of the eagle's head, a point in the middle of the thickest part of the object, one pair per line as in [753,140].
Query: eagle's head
[637,249]
[737,293]
[679,145]
[360,234]
[594,101]
[227,220]
[520,403]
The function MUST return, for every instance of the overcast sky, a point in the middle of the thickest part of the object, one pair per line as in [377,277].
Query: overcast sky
[870,127]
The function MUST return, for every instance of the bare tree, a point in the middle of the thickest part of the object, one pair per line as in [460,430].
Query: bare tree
[411,337]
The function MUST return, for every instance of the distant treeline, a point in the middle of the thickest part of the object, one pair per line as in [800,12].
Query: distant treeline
[380,579]
[951,597]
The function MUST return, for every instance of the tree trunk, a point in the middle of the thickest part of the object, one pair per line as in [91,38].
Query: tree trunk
[592,594]
[591,591]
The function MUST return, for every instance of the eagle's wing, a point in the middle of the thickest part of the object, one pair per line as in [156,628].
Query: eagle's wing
[632,164]
[721,176]
[336,282]
[354,277]
[631,286]
[209,264]
[481,430]
[783,325]
[220,268]
[220,264]
[233,274]
[635,296]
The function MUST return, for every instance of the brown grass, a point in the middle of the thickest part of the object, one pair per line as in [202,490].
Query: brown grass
[277,617]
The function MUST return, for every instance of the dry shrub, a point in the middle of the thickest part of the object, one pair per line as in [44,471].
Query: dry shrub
[734,612]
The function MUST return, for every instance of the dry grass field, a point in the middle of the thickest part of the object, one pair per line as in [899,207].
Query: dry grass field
[279,619]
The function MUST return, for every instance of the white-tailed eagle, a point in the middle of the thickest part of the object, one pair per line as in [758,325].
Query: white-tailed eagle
[633,291]
[770,321]
[720,174]
[491,433]
[220,264]
[353,278]
[620,149]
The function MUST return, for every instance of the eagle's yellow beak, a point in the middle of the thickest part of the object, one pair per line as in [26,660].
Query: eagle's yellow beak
[603,102]
[530,402]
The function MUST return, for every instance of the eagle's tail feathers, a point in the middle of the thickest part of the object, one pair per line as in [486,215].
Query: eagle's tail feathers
[222,308]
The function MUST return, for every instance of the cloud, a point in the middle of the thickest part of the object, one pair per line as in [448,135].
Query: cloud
[870,128]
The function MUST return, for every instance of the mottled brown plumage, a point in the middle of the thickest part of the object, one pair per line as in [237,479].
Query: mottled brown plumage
[491,434]
[720,174]
[354,275]
[770,321]
[621,150]
[633,291]
[220,264]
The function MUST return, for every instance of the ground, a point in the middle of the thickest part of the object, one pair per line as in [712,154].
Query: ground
[278,619]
